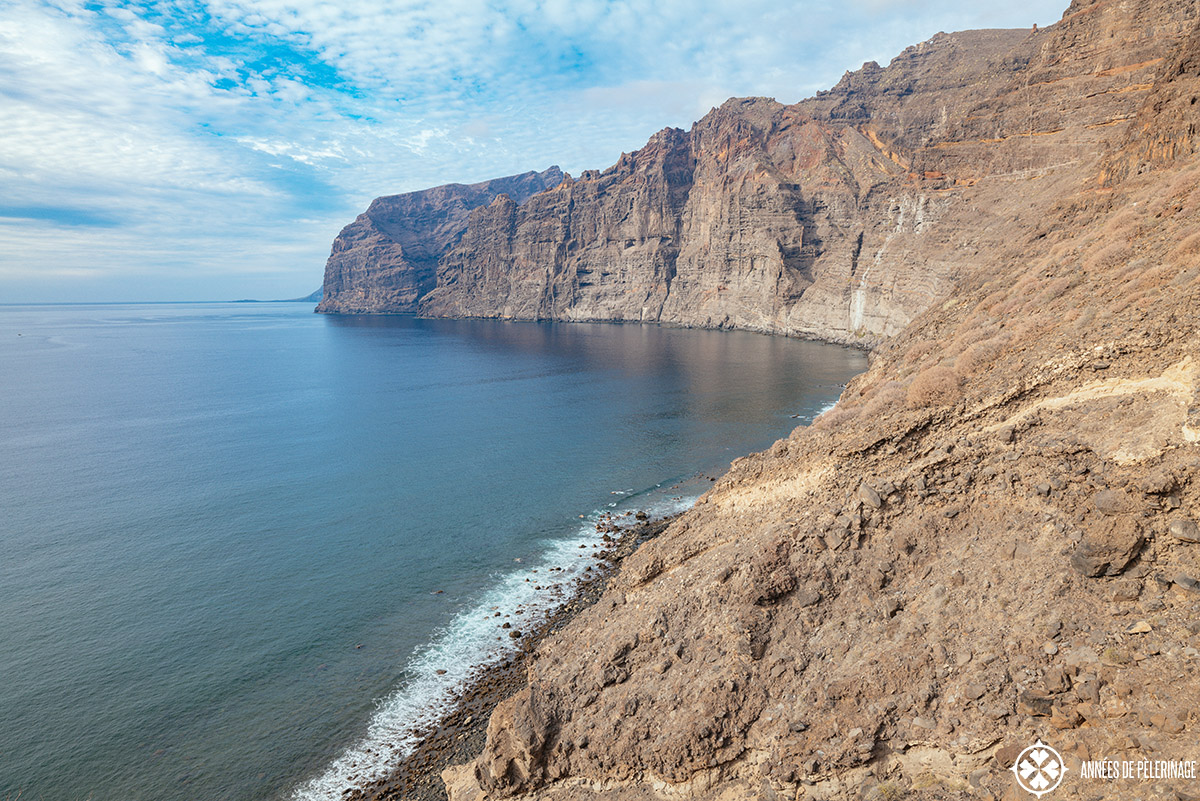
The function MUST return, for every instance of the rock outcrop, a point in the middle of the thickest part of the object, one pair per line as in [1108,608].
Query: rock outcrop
[991,540]
[385,261]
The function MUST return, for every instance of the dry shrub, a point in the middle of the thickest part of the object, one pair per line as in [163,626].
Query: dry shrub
[889,396]
[1063,251]
[1108,257]
[993,301]
[973,331]
[1155,277]
[979,355]
[1127,272]
[919,351]
[1120,221]
[1007,310]
[1025,286]
[1187,250]
[937,386]
[1016,330]
[1056,289]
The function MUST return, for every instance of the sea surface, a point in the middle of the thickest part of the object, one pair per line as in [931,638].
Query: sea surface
[239,541]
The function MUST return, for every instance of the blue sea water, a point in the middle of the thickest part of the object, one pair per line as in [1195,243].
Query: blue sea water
[224,527]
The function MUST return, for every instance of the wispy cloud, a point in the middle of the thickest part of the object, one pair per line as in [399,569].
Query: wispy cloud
[209,148]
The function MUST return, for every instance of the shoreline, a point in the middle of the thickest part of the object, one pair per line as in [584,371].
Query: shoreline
[459,735]
[862,344]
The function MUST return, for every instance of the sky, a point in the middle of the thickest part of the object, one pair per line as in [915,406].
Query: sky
[212,149]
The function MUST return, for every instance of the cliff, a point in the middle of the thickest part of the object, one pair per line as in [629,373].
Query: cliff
[385,260]
[841,217]
[993,538]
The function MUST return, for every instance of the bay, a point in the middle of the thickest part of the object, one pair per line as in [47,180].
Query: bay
[233,534]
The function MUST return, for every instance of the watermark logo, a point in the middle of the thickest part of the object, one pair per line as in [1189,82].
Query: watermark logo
[1039,769]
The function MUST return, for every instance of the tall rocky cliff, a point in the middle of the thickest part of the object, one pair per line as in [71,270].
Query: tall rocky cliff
[841,217]
[993,539]
[386,259]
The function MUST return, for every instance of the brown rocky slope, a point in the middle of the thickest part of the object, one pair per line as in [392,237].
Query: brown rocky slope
[992,539]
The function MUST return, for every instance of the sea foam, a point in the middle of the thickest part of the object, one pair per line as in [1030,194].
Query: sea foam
[464,649]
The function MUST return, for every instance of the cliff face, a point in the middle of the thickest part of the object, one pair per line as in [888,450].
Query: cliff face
[385,260]
[993,539]
[841,217]
[609,240]
[795,219]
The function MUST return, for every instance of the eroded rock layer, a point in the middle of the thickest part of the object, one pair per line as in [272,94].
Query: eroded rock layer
[993,539]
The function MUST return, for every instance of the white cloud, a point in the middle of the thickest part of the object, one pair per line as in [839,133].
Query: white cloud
[293,151]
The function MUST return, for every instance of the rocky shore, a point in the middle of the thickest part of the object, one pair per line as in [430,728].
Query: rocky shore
[462,732]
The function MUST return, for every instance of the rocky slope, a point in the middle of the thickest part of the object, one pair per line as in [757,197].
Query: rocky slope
[386,259]
[993,538]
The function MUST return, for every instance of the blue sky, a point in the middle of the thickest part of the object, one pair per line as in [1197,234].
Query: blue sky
[212,149]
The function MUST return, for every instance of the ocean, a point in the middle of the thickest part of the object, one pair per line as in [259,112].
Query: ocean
[246,550]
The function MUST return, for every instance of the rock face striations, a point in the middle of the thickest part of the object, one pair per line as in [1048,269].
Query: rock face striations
[840,217]
[385,261]
[793,219]
[992,539]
